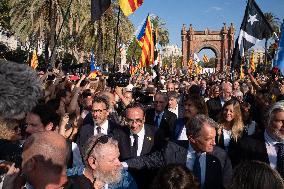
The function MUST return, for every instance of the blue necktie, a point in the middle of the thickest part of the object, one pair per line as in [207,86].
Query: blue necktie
[280,159]
[157,120]
[197,168]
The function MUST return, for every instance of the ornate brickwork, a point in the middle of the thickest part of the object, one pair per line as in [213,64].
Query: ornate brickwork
[220,42]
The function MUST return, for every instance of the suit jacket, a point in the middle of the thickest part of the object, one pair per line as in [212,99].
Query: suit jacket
[252,148]
[179,125]
[166,128]
[176,153]
[214,107]
[87,131]
[124,142]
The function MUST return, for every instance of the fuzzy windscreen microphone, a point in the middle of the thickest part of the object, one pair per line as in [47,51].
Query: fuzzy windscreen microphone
[20,89]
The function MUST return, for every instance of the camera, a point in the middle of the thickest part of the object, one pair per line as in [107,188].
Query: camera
[118,79]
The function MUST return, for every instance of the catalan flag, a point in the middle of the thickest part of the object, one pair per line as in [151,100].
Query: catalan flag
[34,61]
[129,6]
[205,58]
[146,38]
[242,74]
[251,62]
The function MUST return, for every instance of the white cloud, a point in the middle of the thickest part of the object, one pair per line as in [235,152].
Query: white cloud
[214,8]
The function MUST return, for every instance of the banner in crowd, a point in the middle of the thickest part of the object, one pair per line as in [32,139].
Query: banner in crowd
[34,61]
[254,28]
[280,54]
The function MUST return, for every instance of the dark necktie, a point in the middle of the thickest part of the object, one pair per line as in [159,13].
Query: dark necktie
[280,159]
[134,148]
[99,130]
[197,168]
[157,120]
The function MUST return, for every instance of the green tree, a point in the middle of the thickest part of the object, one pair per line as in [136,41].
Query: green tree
[163,33]
[4,14]
[273,21]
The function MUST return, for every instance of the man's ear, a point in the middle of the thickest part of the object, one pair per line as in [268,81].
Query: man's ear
[49,126]
[92,162]
[191,139]
[30,165]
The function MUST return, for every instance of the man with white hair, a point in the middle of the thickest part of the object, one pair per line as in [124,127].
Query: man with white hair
[103,168]
[268,146]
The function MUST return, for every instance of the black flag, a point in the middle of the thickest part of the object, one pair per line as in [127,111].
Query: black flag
[253,29]
[98,7]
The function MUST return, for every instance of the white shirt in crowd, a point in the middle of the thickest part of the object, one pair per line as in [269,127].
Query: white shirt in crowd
[141,135]
[104,128]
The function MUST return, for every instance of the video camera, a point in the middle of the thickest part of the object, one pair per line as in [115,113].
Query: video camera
[118,79]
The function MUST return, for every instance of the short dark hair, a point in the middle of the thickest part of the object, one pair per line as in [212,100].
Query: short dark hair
[256,175]
[62,93]
[46,115]
[199,103]
[175,176]
[100,99]
[136,105]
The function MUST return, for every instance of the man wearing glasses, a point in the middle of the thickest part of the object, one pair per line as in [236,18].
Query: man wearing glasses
[161,118]
[101,123]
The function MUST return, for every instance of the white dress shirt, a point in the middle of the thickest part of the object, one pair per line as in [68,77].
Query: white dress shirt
[183,135]
[271,149]
[141,135]
[104,128]
[191,155]
[227,137]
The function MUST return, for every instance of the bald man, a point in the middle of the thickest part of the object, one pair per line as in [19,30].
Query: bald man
[44,162]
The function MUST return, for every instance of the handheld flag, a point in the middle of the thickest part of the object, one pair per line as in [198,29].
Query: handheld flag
[196,58]
[147,56]
[254,28]
[205,58]
[92,62]
[34,61]
[129,6]
[251,62]
[98,7]
[280,54]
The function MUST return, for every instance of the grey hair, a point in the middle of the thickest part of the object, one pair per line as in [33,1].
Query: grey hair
[96,151]
[20,89]
[164,95]
[278,106]
[194,125]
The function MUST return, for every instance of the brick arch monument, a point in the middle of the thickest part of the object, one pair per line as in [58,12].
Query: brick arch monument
[220,42]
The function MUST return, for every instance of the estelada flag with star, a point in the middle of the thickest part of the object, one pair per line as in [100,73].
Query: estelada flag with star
[253,29]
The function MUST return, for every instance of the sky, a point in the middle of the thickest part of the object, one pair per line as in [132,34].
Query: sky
[201,14]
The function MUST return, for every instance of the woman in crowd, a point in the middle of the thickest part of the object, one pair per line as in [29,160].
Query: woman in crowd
[231,127]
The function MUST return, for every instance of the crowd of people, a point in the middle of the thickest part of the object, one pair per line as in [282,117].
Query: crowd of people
[208,131]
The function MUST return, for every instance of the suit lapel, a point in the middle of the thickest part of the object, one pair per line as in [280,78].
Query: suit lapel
[147,142]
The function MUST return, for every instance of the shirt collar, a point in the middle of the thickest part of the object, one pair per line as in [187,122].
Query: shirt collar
[269,140]
[104,126]
[160,114]
[141,133]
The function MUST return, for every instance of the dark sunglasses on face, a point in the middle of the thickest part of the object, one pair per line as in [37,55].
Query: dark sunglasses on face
[102,139]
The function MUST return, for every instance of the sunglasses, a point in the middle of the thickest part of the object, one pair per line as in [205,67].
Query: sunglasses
[102,139]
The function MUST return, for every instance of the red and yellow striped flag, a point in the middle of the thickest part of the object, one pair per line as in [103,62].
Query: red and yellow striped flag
[251,62]
[129,6]
[242,74]
[147,56]
[205,58]
[34,61]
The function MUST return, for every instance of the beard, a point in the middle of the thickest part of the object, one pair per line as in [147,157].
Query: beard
[109,177]
[277,136]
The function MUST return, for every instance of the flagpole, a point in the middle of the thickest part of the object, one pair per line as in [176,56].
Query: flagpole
[116,37]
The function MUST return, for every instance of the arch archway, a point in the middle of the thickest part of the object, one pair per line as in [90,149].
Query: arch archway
[220,42]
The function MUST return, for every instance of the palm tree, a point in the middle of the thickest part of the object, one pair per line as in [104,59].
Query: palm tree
[163,33]
[273,21]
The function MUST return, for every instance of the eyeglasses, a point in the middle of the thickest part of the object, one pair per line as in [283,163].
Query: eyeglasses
[131,121]
[98,111]
[102,139]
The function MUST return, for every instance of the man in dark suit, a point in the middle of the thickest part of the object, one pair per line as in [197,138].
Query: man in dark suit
[214,105]
[267,147]
[193,153]
[136,139]
[161,118]
[101,124]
